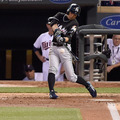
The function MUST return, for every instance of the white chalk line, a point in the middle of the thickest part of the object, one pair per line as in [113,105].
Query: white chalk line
[112,108]
[113,111]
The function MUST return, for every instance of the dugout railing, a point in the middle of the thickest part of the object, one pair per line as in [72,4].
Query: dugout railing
[91,30]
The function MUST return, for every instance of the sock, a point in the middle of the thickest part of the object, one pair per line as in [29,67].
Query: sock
[51,81]
[80,80]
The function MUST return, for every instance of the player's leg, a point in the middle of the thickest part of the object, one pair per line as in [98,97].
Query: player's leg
[45,69]
[69,71]
[53,69]
[78,79]
[70,74]
[60,74]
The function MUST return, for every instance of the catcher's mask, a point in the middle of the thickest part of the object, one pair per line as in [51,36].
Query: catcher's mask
[74,8]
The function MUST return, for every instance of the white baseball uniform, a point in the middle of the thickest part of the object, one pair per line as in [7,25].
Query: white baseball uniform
[44,42]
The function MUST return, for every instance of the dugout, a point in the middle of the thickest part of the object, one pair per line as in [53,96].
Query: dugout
[21,22]
[92,30]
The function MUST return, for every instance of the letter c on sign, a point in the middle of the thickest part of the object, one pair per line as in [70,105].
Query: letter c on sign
[108,22]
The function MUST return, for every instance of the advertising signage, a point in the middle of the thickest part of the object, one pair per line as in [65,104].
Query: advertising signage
[82,2]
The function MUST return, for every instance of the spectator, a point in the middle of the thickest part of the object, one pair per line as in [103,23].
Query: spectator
[31,75]
[113,68]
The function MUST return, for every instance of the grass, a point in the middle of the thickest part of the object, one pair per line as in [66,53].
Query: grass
[37,113]
[59,90]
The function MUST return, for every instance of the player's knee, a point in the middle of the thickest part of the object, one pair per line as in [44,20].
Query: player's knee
[72,78]
[52,70]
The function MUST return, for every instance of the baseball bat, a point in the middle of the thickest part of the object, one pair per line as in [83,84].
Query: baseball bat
[72,54]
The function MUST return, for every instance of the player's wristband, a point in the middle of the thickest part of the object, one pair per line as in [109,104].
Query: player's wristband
[63,39]
[56,30]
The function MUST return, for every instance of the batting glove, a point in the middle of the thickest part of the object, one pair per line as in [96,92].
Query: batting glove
[60,39]
[57,32]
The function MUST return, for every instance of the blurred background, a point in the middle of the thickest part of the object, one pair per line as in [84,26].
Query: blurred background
[22,21]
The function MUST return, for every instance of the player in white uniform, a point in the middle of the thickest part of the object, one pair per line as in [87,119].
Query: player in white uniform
[44,42]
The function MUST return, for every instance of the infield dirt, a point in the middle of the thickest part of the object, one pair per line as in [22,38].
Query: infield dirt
[90,108]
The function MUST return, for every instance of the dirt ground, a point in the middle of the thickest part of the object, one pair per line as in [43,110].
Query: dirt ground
[90,108]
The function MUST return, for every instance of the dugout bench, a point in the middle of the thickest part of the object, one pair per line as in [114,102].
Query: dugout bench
[92,30]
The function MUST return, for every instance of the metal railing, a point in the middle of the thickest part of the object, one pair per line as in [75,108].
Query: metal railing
[92,29]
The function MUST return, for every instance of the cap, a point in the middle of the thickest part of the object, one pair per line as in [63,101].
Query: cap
[29,68]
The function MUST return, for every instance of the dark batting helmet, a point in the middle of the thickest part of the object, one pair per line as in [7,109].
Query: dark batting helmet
[74,8]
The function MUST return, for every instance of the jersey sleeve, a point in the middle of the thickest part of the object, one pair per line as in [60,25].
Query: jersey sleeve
[72,31]
[55,19]
[37,43]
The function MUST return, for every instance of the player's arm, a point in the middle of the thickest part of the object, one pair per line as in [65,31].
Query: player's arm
[66,38]
[40,57]
[71,32]
[57,32]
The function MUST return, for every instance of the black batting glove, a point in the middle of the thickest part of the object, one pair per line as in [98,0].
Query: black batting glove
[60,39]
[57,32]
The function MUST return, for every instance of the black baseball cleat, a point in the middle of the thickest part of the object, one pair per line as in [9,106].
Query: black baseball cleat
[91,89]
[53,95]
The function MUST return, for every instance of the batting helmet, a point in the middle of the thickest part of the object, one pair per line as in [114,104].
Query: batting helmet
[74,8]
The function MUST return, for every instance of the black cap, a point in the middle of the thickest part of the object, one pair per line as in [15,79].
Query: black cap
[29,68]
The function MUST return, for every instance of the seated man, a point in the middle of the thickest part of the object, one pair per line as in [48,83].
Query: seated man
[113,68]
[31,75]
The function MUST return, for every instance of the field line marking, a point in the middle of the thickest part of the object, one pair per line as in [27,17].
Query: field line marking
[113,111]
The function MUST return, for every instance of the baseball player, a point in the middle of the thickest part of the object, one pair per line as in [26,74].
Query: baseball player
[64,26]
[44,42]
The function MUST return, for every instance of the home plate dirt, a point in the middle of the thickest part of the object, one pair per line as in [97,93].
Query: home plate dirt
[90,108]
